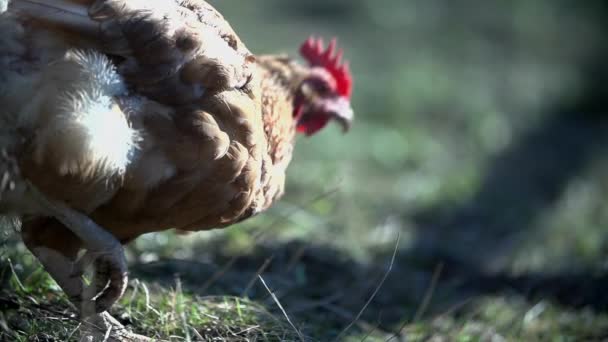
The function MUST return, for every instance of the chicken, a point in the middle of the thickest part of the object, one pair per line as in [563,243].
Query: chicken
[122,118]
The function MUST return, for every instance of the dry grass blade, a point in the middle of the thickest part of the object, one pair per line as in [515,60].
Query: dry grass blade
[388,271]
[276,300]
[296,257]
[454,308]
[197,334]
[425,301]
[180,307]
[74,331]
[371,331]
[257,274]
[261,234]
[217,275]
[106,337]
[310,305]
[15,276]
[429,293]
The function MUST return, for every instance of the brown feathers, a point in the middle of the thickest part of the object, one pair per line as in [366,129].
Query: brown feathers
[152,115]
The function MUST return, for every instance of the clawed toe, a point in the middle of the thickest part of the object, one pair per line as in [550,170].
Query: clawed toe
[105,256]
[108,283]
[104,327]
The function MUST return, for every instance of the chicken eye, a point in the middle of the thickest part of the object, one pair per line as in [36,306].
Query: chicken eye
[307,90]
[322,87]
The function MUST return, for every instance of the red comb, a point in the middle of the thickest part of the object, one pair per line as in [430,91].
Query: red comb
[314,52]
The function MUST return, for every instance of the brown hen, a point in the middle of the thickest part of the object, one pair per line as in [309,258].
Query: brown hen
[131,117]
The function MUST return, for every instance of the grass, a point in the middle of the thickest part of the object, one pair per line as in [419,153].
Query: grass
[34,309]
[480,140]
[37,311]
[167,315]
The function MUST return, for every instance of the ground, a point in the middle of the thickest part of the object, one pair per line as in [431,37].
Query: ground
[478,161]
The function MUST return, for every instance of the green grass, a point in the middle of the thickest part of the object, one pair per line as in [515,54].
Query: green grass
[480,140]
[34,309]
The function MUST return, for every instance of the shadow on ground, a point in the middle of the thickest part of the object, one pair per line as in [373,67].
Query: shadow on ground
[522,182]
[320,286]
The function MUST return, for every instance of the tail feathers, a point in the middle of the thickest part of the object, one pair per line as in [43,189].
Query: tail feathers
[81,129]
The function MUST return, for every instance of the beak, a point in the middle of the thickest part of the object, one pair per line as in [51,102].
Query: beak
[340,110]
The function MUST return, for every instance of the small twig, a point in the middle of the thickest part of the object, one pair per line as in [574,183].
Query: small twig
[179,307]
[276,300]
[247,330]
[294,210]
[341,312]
[106,337]
[309,305]
[425,301]
[371,331]
[454,308]
[296,257]
[217,275]
[10,264]
[133,294]
[74,331]
[388,271]
[429,293]
[147,295]
[257,274]
[259,235]
[216,318]
[51,318]
[198,335]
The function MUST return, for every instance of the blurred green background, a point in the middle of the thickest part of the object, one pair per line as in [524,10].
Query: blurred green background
[476,128]
[480,141]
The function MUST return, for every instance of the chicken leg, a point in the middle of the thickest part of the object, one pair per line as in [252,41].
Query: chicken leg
[56,247]
[103,251]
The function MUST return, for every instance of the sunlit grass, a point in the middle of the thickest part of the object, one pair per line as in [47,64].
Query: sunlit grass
[441,93]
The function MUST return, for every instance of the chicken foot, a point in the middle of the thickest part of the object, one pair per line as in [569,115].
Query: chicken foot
[94,326]
[103,251]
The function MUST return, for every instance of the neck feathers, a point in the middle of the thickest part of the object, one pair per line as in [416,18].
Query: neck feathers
[281,79]
[286,73]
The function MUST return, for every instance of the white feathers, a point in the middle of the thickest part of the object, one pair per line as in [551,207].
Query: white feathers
[3,5]
[97,73]
[83,131]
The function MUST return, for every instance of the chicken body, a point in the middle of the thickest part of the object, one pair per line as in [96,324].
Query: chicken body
[145,116]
